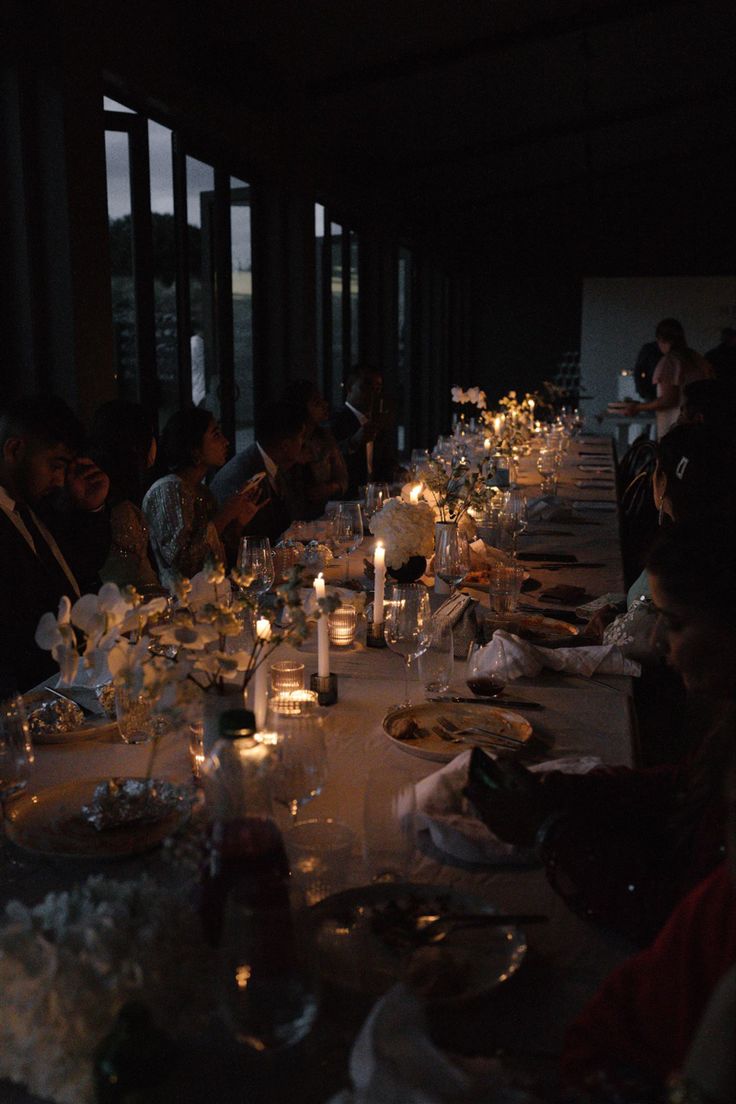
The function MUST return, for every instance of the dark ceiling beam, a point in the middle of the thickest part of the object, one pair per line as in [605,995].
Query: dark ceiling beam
[543,30]
[603,120]
[417,216]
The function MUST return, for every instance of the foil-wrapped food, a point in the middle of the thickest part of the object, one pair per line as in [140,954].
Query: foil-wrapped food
[55,716]
[106,697]
[316,556]
[123,801]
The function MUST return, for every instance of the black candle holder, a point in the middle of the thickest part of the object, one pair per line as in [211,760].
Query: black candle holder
[374,635]
[325,687]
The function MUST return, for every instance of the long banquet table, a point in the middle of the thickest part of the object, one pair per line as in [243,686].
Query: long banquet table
[568,958]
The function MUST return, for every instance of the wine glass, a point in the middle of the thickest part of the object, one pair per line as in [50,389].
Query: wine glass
[348,530]
[486,671]
[408,622]
[514,518]
[300,769]
[547,468]
[375,495]
[451,555]
[436,664]
[16,755]
[255,562]
[389,832]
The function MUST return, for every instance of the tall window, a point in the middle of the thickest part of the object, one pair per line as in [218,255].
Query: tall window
[338,291]
[180,237]
[404,349]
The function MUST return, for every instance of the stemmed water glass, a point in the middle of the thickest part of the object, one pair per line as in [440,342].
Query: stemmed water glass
[348,522]
[514,518]
[408,624]
[16,756]
[300,769]
[255,562]
[451,555]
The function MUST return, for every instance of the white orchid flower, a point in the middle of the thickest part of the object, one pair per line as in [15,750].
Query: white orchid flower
[126,659]
[185,634]
[231,663]
[56,635]
[204,591]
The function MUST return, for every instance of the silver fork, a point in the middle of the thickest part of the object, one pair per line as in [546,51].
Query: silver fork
[485,735]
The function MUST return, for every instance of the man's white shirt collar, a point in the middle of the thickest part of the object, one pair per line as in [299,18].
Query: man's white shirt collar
[7,504]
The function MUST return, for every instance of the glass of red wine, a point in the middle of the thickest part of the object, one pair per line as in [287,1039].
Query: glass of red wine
[486,672]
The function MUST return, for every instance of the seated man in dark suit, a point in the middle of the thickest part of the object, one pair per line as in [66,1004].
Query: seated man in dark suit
[362,431]
[278,446]
[39,442]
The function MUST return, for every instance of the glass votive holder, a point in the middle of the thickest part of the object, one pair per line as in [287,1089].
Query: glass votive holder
[287,675]
[292,703]
[341,625]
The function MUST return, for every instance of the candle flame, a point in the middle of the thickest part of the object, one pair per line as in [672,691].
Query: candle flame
[414,493]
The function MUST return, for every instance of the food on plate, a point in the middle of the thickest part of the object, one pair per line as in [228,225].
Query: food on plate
[404,728]
[437,972]
[55,716]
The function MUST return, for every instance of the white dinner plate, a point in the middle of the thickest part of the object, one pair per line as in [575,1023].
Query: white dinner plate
[419,720]
[49,822]
[364,940]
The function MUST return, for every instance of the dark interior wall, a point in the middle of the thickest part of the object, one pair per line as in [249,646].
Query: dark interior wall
[675,218]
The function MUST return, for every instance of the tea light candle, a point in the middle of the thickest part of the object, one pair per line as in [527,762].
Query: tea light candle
[341,625]
[287,675]
[263,633]
[379,585]
[323,642]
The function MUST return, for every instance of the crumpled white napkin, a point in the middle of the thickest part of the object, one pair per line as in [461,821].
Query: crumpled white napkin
[347,598]
[523,658]
[454,828]
[394,1061]
[483,555]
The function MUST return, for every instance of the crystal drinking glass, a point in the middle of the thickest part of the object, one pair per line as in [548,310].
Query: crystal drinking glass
[451,555]
[255,562]
[295,723]
[408,620]
[348,531]
[16,755]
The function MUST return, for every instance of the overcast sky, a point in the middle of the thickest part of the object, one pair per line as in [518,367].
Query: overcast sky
[200,178]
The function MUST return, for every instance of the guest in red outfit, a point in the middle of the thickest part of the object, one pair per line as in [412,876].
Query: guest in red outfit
[645,1018]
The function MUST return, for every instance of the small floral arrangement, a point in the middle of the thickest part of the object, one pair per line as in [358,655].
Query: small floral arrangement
[452,493]
[68,964]
[406,529]
[473,395]
[163,646]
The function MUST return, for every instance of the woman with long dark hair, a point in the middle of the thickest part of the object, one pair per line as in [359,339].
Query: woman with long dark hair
[185,521]
[123,444]
[623,846]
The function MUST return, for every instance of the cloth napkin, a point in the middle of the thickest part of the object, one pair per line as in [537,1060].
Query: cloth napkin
[347,598]
[394,1061]
[482,555]
[548,508]
[443,811]
[523,658]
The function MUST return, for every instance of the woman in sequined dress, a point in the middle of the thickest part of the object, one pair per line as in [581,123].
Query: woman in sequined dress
[185,522]
[123,444]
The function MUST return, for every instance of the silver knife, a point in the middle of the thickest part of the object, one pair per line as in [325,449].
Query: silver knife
[489,701]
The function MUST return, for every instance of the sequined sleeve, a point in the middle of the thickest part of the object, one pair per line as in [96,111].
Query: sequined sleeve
[182,534]
[127,562]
